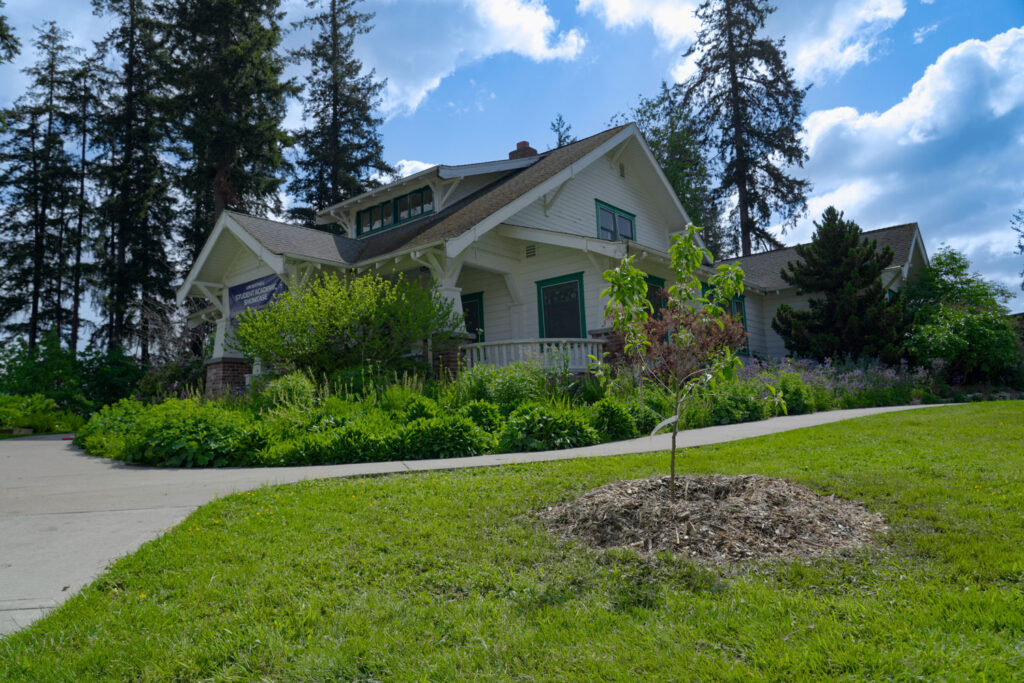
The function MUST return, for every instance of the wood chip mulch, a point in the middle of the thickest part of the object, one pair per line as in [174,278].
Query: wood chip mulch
[716,519]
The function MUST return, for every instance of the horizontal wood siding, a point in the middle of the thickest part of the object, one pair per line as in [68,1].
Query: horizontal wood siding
[575,211]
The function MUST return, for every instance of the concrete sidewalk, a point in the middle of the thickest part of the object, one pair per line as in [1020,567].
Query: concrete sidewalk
[64,515]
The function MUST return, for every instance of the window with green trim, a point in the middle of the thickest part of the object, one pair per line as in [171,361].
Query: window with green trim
[560,310]
[400,209]
[613,223]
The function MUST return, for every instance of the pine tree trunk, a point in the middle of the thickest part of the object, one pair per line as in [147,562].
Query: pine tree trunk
[76,271]
[37,240]
[738,136]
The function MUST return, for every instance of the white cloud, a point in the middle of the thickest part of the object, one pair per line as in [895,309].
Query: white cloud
[943,156]
[921,33]
[417,44]
[403,168]
[673,21]
[407,167]
[825,39]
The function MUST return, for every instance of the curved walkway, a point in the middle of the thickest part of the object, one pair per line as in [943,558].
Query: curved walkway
[64,515]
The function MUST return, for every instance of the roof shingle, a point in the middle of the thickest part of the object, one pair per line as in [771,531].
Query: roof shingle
[450,222]
[764,270]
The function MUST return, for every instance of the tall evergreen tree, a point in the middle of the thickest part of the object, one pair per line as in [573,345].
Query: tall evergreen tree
[747,107]
[38,180]
[9,43]
[853,317]
[340,149]
[84,101]
[562,130]
[137,209]
[229,104]
[669,132]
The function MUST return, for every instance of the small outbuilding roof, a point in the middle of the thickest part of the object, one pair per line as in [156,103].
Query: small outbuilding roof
[764,270]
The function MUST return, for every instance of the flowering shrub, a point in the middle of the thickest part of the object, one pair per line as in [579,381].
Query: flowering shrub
[814,386]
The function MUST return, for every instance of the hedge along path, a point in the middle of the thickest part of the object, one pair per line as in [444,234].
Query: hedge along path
[56,503]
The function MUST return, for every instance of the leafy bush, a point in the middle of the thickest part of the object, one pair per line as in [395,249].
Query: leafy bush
[175,433]
[516,384]
[644,417]
[733,402]
[508,387]
[77,383]
[451,436]
[975,345]
[613,421]
[483,414]
[331,323]
[293,389]
[111,431]
[420,407]
[353,442]
[35,412]
[799,397]
[536,427]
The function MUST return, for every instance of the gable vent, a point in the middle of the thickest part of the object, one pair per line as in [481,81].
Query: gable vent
[531,250]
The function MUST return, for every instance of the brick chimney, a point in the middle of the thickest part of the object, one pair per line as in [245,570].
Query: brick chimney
[522,151]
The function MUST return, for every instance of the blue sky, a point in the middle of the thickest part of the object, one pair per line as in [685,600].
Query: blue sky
[916,111]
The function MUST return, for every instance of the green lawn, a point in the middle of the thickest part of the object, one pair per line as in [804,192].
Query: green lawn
[447,576]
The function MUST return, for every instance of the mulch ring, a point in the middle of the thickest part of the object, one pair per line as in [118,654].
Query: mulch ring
[716,519]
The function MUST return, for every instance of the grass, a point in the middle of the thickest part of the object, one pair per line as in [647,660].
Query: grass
[445,576]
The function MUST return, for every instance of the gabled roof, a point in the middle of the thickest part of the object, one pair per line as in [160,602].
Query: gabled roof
[520,182]
[763,270]
[452,221]
[296,240]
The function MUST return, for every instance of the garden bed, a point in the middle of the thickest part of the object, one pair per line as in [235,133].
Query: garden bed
[716,519]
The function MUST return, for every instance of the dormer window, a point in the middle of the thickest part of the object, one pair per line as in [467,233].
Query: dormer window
[614,224]
[400,209]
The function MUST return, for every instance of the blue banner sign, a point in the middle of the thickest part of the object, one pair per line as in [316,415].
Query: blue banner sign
[254,294]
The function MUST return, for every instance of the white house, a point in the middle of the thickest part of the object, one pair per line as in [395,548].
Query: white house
[519,245]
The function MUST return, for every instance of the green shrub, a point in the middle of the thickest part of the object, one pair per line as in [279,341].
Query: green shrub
[974,345]
[507,387]
[733,402]
[420,407]
[536,427]
[348,444]
[451,436]
[293,389]
[111,431]
[472,384]
[799,396]
[483,414]
[397,397]
[329,323]
[287,422]
[612,420]
[644,417]
[175,433]
[516,384]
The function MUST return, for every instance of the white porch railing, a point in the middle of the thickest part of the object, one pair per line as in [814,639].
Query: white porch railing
[549,353]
